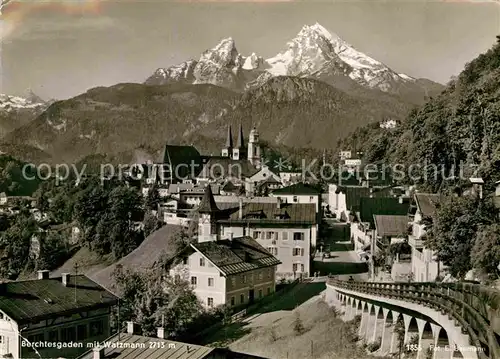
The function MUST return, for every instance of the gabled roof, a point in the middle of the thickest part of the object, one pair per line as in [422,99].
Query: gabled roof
[354,195]
[178,157]
[238,255]
[369,207]
[427,203]
[391,226]
[288,213]
[208,204]
[297,189]
[34,300]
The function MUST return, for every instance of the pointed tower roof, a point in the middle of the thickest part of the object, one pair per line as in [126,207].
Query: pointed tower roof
[229,140]
[240,143]
[208,204]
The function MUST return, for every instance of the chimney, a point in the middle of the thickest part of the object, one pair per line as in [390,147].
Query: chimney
[98,352]
[160,332]
[43,274]
[240,212]
[401,200]
[132,328]
[65,279]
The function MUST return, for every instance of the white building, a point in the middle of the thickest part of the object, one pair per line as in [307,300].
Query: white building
[287,230]
[425,267]
[45,310]
[233,270]
[299,193]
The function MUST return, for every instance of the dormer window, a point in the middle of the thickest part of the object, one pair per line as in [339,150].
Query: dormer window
[295,198]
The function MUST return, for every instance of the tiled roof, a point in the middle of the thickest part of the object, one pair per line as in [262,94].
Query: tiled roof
[427,203]
[223,167]
[130,347]
[238,255]
[297,189]
[390,226]
[34,300]
[354,195]
[369,207]
[301,213]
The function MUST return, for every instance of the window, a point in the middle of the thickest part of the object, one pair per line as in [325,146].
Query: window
[1,339]
[284,236]
[295,198]
[202,262]
[242,298]
[210,302]
[260,275]
[210,282]
[260,293]
[232,301]
[96,328]
[302,268]
[298,236]
[256,235]
[298,251]
[273,250]
[185,261]
[311,199]
[294,267]
[270,235]
[53,336]
[268,290]
[193,281]
[244,279]
[69,334]
[177,278]
[233,282]
[81,332]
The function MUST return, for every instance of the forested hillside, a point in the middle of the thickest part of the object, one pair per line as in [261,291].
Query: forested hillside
[460,127]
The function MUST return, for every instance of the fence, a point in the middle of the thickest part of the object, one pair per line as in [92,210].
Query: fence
[474,307]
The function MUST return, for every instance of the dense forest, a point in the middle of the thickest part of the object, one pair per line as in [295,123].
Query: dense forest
[459,133]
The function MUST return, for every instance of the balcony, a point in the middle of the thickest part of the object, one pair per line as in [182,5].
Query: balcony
[415,243]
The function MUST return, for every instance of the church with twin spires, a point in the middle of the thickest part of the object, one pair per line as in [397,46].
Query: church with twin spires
[240,151]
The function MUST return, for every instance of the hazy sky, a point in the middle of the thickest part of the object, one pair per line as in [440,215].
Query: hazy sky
[61,53]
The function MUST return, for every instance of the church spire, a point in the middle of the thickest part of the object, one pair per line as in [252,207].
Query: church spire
[229,140]
[240,142]
[208,204]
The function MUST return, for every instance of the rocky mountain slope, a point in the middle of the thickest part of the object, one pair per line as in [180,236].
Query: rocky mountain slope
[113,123]
[314,53]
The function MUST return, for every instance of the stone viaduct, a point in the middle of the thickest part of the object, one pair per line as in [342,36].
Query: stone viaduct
[432,320]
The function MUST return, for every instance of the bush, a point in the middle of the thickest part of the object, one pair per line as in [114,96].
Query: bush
[374,346]
[298,326]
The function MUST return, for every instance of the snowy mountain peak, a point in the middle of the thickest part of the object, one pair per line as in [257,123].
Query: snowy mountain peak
[224,53]
[10,103]
[314,52]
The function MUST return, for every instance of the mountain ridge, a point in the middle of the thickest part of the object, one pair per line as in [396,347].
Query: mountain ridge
[313,53]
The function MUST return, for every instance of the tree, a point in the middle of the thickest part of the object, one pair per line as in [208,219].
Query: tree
[151,223]
[152,299]
[153,198]
[16,241]
[53,251]
[486,251]
[454,228]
